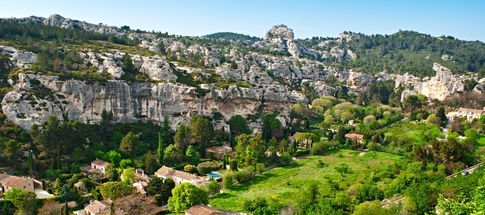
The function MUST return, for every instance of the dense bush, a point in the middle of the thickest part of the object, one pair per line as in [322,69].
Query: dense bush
[208,166]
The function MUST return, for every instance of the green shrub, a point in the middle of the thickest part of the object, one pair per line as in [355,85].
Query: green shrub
[285,159]
[228,180]
[318,148]
[208,166]
[190,168]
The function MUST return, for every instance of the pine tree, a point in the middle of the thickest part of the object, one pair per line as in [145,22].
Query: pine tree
[441,114]
[164,138]
[160,147]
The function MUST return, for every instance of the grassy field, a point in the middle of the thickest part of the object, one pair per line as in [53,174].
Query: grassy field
[285,183]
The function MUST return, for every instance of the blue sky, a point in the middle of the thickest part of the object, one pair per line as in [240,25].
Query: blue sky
[462,19]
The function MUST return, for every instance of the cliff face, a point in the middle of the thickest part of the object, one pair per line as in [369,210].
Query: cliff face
[74,99]
[183,76]
[442,85]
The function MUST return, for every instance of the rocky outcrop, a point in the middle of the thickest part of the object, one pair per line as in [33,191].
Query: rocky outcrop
[74,99]
[359,81]
[442,85]
[20,58]
[59,21]
[156,67]
[283,39]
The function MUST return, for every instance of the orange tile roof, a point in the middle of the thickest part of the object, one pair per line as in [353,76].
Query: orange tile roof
[354,136]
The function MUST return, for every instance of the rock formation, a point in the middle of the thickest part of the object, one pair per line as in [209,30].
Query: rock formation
[442,85]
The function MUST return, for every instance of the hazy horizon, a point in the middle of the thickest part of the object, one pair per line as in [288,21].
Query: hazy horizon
[459,19]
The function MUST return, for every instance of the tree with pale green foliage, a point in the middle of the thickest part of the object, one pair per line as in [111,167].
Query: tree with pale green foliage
[186,195]
[370,208]
[114,157]
[212,188]
[25,202]
[114,190]
[192,155]
[320,105]
[128,175]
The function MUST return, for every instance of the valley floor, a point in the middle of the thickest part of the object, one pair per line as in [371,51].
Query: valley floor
[286,183]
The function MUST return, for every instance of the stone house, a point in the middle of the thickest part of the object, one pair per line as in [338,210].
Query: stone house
[467,113]
[99,166]
[180,176]
[95,208]
[9,182]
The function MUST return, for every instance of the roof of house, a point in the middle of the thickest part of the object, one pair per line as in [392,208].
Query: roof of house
[15,181]
[169,172]
[354,136]
[203,210]
[100,162]
[184,175]
[97,206]
[219,149]
[164,171]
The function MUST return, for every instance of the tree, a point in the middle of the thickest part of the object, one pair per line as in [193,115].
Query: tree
[51,140]
[154,186]
[271,127]
[191,155]
[213,188]
[250,150]
[128,66]
[181,139]
[228,180]
[238,125]
[125,163]
[201,132]
[114,190]
[25,202]
[56,186]
[370,208]
[172,155]
[186,195]
[433,119]
[67,194]
[105,128]
[128,143]
[442,116]
[128,175]
[151,163]
[114,157]
[164,138]
[111,173]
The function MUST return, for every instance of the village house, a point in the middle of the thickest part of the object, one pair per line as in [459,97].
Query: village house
[99,166]
[467,113]
[219,151]
[207,210]
[141,181]
[141,176]
[9,182]
[353,136]
[180,176]
[95,208]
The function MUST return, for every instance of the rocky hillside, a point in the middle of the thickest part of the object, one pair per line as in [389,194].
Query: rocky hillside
[75,70]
